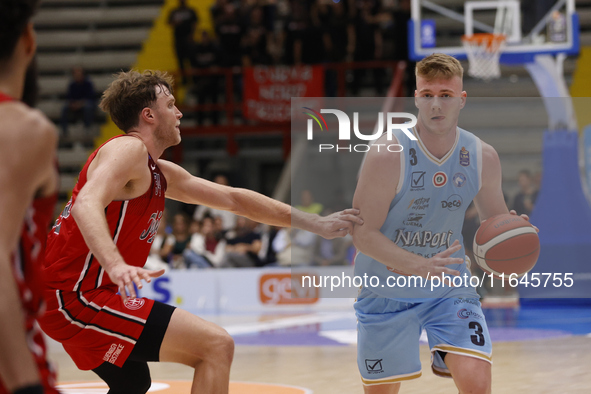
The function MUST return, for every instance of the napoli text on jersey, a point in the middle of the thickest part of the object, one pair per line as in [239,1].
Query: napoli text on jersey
[427,214]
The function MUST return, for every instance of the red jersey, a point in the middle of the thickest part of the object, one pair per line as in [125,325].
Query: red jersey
[27,262]
[84,312]
[69,264]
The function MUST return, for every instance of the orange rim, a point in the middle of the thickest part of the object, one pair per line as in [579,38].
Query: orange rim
[492,41]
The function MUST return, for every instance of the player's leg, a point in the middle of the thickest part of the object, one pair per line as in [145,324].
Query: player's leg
[205,346]
[471,375]
[388,343]
[390,388]
[460,342]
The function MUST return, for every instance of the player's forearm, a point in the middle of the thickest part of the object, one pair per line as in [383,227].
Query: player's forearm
[266,210]
[92,222]
[17,367]
[376,245]
[261,208]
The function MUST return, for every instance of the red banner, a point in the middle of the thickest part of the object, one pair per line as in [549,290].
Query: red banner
[268,90]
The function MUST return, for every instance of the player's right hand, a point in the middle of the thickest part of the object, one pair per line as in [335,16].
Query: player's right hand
[124,276]
[436,265]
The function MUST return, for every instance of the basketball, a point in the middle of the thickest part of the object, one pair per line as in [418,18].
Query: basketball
[506,244]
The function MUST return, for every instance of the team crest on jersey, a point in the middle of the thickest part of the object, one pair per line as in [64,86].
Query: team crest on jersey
[459,179]
[439,179]
[152,229]
[464,157]
[134,303]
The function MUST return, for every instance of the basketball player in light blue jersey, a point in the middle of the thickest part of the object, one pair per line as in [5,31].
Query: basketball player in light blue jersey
[413,204]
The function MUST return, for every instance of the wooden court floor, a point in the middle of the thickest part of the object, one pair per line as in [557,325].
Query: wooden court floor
[554,366]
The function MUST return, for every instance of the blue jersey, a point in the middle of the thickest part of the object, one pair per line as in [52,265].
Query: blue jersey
[427,214]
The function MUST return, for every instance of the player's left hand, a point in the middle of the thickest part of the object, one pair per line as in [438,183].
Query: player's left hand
[339,224]
[523,215]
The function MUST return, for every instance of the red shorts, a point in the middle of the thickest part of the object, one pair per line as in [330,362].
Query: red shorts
[39,352]
[96,326]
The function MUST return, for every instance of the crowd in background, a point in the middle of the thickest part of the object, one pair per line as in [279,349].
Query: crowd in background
[219,239]
[211,238]
[290,32]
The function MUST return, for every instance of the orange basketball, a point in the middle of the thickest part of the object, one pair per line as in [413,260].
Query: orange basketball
[506,244]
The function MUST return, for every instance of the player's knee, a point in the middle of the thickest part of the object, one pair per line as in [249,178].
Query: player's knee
[224,347]
[476,387]
[219,349]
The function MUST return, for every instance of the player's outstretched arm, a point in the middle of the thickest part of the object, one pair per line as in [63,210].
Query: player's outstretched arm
[189,189]
[27,151]
[118,172]
[375,191]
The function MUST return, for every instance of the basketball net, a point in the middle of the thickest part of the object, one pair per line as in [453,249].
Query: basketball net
[484,52]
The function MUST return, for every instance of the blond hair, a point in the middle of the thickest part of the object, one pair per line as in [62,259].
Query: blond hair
[130,93]
[439,65]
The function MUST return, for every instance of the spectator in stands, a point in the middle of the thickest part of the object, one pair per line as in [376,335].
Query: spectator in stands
[229,31]
[256,41]
[293,34]
[337,35]
[206,56]
[176,243]
[307,203]
[243,245]
[268,255]
[206,248]
[367,44]
[183,20]
[399,31]
[228,219]
[524,201]
[294,247]
[80,101]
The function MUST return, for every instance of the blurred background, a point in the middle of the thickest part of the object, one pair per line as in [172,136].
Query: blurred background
[237,64]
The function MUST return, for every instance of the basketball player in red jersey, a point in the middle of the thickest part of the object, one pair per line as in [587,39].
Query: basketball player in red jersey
[29,183]
[102,239]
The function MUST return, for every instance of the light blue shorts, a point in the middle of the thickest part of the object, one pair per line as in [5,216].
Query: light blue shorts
[388,333]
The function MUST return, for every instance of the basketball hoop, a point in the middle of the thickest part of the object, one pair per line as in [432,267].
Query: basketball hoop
[484,53]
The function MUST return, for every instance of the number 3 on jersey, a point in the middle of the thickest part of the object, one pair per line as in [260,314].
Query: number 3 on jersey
[477,339]
[413,157]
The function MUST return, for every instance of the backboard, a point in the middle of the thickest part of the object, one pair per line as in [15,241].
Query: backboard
[532,27]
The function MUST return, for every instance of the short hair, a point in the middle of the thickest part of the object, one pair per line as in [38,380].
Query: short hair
[130,93]
[439,65]
[14,17]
